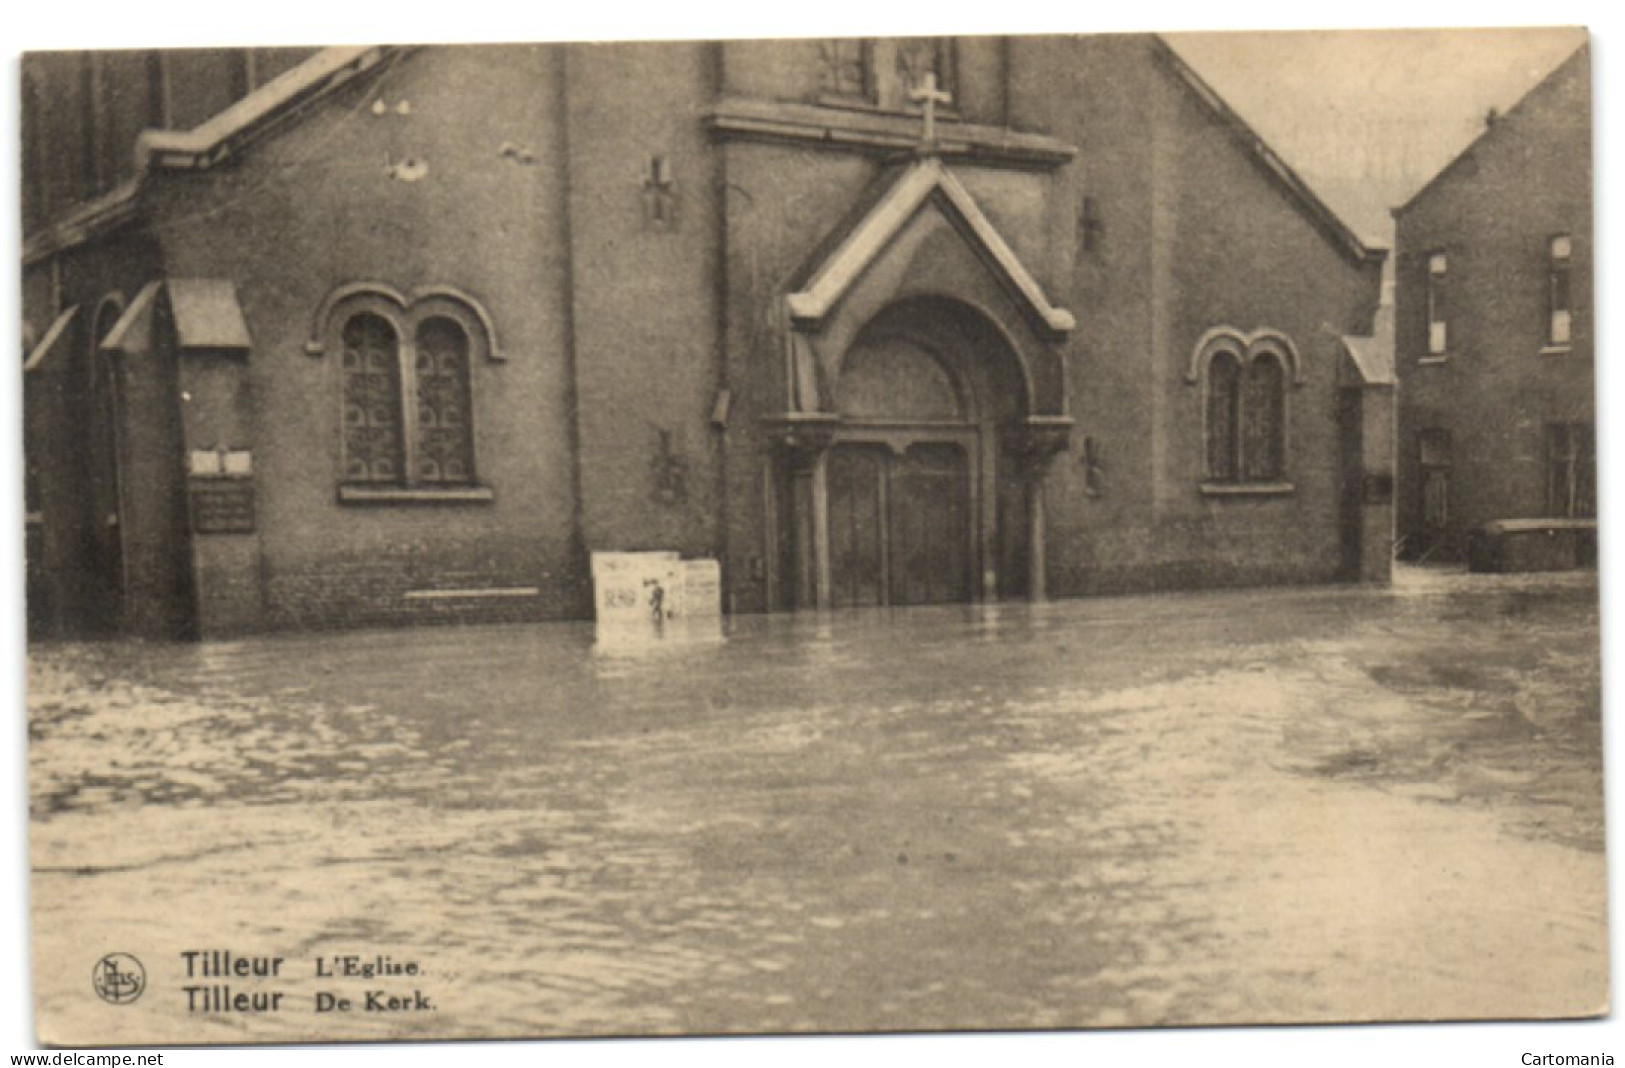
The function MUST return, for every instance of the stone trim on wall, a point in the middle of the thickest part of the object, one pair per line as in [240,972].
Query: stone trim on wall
[847,129]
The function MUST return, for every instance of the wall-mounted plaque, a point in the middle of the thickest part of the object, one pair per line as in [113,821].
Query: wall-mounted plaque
[222,505]
[1379,487]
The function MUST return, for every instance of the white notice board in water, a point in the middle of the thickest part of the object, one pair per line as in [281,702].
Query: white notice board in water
[636,590]
[702,589]
[646,596]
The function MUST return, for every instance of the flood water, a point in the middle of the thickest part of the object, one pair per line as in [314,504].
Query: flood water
[1289,805]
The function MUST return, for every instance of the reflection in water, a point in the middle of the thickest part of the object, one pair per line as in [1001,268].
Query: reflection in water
[1299,804]
[670,638]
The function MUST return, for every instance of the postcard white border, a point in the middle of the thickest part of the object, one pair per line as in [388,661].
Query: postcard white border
[101,24]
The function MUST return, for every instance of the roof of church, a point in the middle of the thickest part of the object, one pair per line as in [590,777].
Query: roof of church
[1272,164]
[216,139]
[205,145]
[1491,128]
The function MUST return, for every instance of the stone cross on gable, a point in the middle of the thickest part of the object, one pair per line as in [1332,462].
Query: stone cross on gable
[928,96]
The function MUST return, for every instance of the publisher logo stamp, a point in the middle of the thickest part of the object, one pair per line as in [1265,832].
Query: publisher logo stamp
[119,978]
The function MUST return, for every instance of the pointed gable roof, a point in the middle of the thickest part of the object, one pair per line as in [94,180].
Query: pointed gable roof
[1274,167]
[1491,131]
[926,180]
[209,144]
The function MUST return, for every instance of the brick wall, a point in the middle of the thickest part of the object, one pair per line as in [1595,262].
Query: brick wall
[322,204]
[523,176]
[1492,212]
[1195,235]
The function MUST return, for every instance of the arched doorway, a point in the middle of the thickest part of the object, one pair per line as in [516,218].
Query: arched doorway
[901,521]
[914,497]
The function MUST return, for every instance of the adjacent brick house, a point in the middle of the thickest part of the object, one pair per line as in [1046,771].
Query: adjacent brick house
[374,335]
[1494,325]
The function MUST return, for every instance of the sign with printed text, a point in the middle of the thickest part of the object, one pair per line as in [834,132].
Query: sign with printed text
[636,593]
[222,505]
[655,596]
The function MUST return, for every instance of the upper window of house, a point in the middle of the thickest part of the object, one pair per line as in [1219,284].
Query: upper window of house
[1434,447]
[1559,300]
[1438,329]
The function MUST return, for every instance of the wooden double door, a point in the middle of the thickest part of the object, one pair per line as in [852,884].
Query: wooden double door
[901,523]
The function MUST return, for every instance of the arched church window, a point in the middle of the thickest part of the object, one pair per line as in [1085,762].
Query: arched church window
[446,452]
[1262,405]
[407,369]
[1245,409]
[884,71]
[915,57]
[844,68]
[374,437]
[1223,412]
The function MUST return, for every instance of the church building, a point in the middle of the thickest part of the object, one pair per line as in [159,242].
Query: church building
[375,335]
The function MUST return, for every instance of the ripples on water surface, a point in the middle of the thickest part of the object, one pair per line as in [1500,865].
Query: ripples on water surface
[1310,804]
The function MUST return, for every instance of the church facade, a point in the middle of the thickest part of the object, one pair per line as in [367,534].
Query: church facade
[370,336]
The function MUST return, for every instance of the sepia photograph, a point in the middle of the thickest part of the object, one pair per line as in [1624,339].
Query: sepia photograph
[810,535]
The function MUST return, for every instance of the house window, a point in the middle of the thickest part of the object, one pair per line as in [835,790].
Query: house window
[407,415]
[1438,331]
[1245,383]
[1437,456]
[1571,470]
[883,71]
[1559,306]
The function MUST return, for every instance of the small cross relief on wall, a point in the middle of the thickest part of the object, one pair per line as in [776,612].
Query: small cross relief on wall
[1091,227]
[668,470]
[659,196]
[1094,468]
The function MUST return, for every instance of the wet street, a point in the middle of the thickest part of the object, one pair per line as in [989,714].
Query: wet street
[1306,804]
